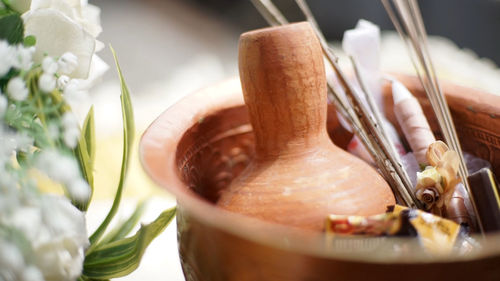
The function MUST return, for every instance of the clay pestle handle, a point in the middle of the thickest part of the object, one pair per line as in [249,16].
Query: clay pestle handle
[284,86]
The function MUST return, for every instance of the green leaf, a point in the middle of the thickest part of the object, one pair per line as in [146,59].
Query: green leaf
[128,138]
[29,41]
[88,133]
[4,12]
[85,153]
[123,229]
[122,257]
[12,29]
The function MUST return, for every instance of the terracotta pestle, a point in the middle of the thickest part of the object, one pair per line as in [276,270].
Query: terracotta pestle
[298,176]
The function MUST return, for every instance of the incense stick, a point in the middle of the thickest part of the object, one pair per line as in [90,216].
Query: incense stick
[270,12]
[377,114]
[390,162]
[354,111]
[411,28]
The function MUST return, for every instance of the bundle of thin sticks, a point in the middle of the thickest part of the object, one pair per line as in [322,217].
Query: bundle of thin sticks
[409,23]
[365,120]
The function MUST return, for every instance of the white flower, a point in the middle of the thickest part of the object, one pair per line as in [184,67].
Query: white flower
[71,137]
[69,120]
[59,167]
[64,219]
[67,63]
[27,219]
[71,132]
[47,82]
[11,258]
[3,105]
[16,89]
[61,257]
[73,93]
[6,57]
[62,81]
[23,142]
[49,65]
[23,57]
[79,190]
[80,11]
[56,234]
[62,26]
[31,273]
[8,141]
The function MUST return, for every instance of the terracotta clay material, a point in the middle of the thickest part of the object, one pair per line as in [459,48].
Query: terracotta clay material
[196,147]
[298,176]
[199,145]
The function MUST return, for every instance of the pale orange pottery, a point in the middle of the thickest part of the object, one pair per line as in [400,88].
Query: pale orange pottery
[199,145]
[297,174]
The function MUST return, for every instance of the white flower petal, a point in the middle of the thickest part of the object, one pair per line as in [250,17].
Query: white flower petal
[16,89]
[7,53]
[64,219]
[79,190]
[67,63]
[23,57]
[28,220]
[10,256]
[57,34]
[60,259]
[61,168]
[66,7]
[49,65]
[97,69]
[69,121]
[47,82]
[73,92]
[98,46]
[62,82]
[31,273]
[71,137]
[92,22]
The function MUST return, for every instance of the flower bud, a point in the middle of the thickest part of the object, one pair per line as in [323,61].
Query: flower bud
[16,89]
[67,63]
[62,81]
[47,82]
[49,65]
[79,190]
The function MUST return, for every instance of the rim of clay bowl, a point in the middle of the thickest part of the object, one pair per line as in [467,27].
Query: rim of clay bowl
[157,151]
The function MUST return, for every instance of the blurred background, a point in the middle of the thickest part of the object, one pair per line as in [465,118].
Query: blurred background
[169,48]
[158,35]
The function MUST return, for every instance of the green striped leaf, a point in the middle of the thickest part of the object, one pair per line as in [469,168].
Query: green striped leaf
[128,138]
[124,228]
[88,132]
[121,257]
[85,153]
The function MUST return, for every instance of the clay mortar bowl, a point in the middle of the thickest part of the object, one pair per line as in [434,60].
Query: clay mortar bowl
[196,147]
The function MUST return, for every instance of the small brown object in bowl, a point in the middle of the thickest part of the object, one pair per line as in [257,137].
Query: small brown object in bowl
[298,176]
